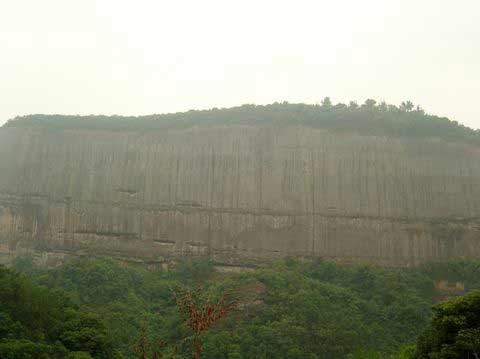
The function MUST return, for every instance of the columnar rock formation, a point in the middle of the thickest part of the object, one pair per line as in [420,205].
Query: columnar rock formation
[240,194]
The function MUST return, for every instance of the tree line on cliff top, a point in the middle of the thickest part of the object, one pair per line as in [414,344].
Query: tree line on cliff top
[370,118]
[99,308]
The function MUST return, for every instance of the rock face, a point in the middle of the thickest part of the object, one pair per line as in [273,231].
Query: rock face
[239,194]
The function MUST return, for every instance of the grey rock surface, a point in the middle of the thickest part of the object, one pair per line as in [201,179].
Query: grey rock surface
[238,194]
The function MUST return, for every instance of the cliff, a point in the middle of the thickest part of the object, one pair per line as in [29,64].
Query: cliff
[240,192]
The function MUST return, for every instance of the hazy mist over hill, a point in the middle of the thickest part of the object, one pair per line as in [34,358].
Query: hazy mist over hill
[143,57]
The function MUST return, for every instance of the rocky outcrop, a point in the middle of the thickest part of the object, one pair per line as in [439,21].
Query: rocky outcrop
[239,194]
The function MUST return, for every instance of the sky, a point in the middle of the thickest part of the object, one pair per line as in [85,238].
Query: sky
[142,57]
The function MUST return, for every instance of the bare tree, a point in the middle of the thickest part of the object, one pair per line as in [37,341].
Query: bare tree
[200,315]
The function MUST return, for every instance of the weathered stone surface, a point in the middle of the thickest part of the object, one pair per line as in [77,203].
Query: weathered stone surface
[240,194]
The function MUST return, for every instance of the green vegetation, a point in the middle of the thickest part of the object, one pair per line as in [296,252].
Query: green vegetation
[39,323]
[287,310]
[368,118]
[454,331]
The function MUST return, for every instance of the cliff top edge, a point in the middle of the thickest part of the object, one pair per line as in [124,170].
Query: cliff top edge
[367,119]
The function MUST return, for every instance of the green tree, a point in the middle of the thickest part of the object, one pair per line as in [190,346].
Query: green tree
[37,322]
[369,104]
[326,102]
[454,331]
[407,106]
[26,349]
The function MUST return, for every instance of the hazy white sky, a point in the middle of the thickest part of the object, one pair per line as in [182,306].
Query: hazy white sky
[142,56]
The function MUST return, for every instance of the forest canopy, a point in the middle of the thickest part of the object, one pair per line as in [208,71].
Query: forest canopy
[289,309]
[36,322]
[370,118]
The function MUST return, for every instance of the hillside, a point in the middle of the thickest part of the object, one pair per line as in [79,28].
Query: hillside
[288,309]
[369,118]
[41,323]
